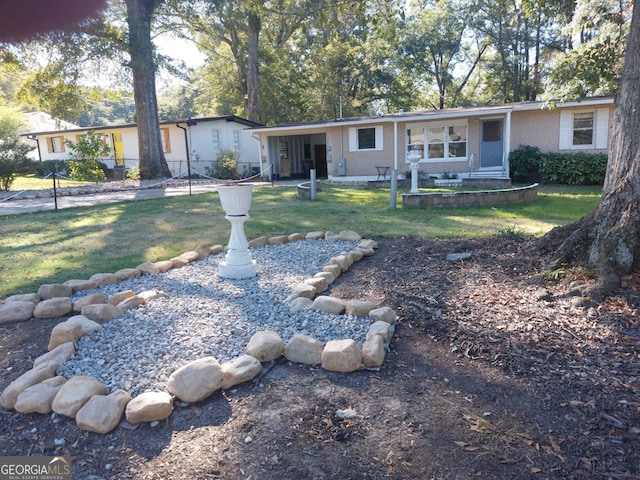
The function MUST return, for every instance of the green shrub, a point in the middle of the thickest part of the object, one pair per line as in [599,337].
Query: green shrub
[84,164]
[524,164]
[573,168]
[225,167]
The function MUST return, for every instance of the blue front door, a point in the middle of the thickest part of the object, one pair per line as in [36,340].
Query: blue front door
[491,145]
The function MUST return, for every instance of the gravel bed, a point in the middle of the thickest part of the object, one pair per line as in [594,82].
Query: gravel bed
[205,315]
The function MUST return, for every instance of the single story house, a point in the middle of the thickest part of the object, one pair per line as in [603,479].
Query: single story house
[198,141]
[466,142]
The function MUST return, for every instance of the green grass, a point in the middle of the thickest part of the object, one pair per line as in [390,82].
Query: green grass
[52,247]
[37,183]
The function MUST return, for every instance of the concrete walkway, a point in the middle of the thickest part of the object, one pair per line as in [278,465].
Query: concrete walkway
[17,207]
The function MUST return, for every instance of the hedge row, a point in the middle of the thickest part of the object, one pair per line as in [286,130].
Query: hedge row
[529,164]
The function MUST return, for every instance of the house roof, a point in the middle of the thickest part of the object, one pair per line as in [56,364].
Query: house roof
[429,115]
[37,121]
[189,121]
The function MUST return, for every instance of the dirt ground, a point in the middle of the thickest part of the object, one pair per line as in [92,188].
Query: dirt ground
[494,373]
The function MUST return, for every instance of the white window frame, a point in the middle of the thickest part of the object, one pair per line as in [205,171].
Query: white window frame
[57,144]
[600,138]
[353,139]
[216,140]
[423,146]
[236,140]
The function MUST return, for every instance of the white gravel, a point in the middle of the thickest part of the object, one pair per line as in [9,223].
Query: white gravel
[205,315]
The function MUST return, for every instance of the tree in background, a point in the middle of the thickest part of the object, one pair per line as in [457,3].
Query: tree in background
[13,150]
[438,47]
[140,14]
[591,62]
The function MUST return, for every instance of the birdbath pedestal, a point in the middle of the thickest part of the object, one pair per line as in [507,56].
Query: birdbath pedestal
[236,201]
[414,158]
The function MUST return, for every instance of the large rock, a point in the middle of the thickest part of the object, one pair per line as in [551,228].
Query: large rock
[127,273]
[53,308]
[100,313]
[368,243]
[319,283]
[349,236]
[332,268]
[265,346]
[278,239]
[341,356]
[59,354]
[197,380]
[164,265]
[383,314]
[148,268]
[373,352]
[149,407]
[328,304]
[92,299]
[343,261]
[102,413]
[88,325]
[356,256]
[314,235]
[299,304]
[382,329]
[23,297]
[119,297]
[104,278]
[38,398]
[131,302]
[359,308]
[303,349]
[304,290]
[53,290]
[239,370]
[185,258]
[203,250]
[294,237]
[16,311]
[258,242]
[64,332]
[75,393]
[32,377]
[78,285]
[328,276]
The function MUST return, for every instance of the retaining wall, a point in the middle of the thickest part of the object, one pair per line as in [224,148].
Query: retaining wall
[481,198]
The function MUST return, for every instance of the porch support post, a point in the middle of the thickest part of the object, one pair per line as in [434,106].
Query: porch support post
[507,145]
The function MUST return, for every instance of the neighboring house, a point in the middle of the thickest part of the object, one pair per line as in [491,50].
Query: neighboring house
[198,141]
[464,141]
[43,122]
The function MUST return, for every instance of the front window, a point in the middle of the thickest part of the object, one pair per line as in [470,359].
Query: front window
[236,140]
[583,128]
[439,142]
[215,138]
[366,138]
[56,144]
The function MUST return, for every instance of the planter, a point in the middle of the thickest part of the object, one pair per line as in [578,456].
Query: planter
[235,199]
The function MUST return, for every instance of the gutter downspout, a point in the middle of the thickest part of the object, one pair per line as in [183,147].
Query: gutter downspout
[186,146]
[33,137]
[507,146]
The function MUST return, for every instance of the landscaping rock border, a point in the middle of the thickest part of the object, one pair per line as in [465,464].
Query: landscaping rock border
[87,400]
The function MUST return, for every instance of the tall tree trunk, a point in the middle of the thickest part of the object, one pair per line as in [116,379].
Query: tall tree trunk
[152,161]
[252,111]
[608,239]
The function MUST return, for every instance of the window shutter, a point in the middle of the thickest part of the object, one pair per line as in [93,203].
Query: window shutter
[602,128]
[167,140]
[62,145]
[566,130]
[353,139]
[50,144]
[379,137]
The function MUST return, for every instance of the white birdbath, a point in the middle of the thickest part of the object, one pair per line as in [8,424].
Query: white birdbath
[236,201]
[414,158]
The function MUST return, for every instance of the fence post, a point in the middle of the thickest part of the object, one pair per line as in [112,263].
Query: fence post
[55,191]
